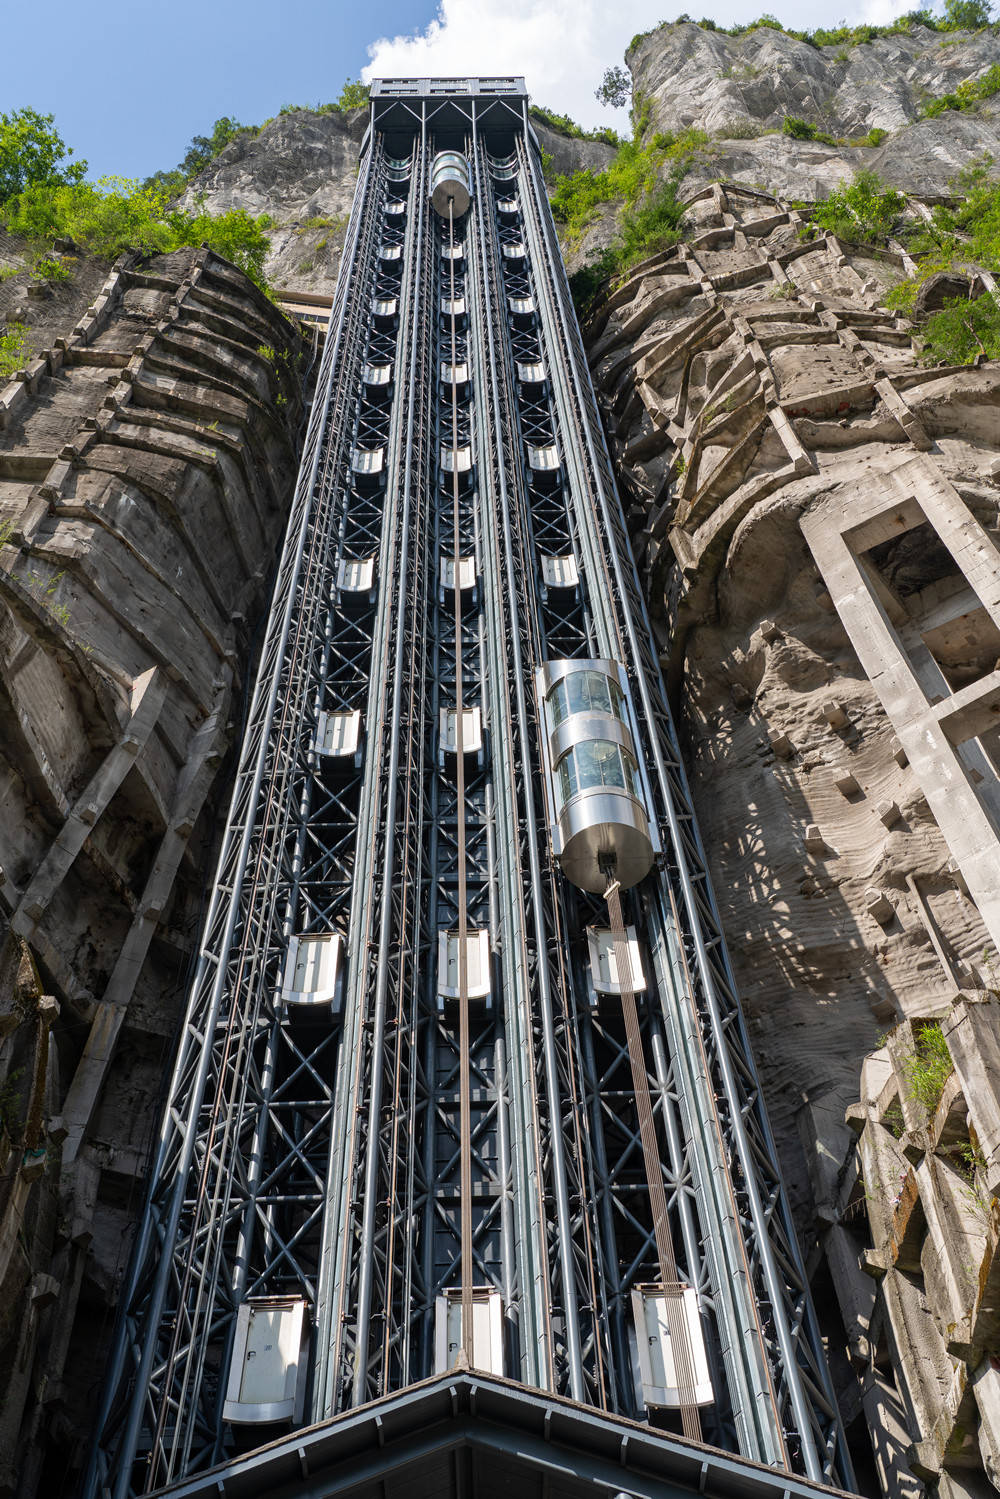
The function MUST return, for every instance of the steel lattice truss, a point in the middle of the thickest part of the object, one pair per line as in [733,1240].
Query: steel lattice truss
[317,1152]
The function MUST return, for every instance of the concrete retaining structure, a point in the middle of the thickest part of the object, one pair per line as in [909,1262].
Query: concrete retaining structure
[815,514]
[146,461]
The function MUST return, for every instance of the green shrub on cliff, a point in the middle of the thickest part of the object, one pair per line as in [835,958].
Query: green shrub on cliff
[959,15]
[654,225]
[354,95]
[929,1065]
[644,230]
[14,350]
[629,179]
[801,130]
[865,211]
[643,179]
[966,95]
[117,213]
[968,234]
[958,239]
[576,195]
[564,125]
[962,331]
[32,151]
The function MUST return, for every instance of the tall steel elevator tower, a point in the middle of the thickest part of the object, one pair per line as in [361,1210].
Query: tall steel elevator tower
[463,1080]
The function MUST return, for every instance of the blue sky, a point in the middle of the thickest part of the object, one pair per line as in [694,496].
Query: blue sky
[130,86]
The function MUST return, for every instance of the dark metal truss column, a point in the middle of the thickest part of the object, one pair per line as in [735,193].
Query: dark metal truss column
[725,1110]
[338,1153]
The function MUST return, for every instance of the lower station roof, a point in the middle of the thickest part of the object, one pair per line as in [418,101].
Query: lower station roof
[464,1435]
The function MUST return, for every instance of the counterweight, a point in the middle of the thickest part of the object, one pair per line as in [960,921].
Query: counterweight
[432,1100]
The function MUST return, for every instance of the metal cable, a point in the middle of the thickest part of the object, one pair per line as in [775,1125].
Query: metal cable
[672,1288]
[186,1317]
[464,1103]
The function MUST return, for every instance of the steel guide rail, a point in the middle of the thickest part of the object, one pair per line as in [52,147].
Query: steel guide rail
[345,1292]
[400,1180]
[472,806]
[136,1400]
[499,460]
[540,424]
[322,1155]
[811,1432]
[395,806]
[577,1344]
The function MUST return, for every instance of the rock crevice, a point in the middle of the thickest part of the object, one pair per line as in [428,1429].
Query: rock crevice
[145,465]
[821,553]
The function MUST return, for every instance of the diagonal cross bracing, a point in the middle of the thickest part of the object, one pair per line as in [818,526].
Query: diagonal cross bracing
[409,1141]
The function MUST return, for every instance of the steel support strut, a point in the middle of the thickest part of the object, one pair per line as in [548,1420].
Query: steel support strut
[413,1145]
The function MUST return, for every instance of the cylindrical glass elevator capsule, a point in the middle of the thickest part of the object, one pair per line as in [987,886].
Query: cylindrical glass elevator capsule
[451,179]
[600,821]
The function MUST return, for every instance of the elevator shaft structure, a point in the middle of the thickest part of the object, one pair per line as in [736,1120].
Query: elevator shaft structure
[431,1100]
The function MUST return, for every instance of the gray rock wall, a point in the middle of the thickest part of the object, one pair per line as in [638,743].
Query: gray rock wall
[300,169]
[816,517]
[691,76]
[739,89]
[146,459]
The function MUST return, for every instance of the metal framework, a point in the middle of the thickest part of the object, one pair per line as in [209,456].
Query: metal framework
[372,1155]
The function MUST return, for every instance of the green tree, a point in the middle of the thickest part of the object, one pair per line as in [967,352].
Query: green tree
[961,330]
[116,214]
[32,151]
[967,15]
[865,211]
[615,88]
[205,148]
[354,94]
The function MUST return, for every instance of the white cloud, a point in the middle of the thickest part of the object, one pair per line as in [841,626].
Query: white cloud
[884,12]
[562,47]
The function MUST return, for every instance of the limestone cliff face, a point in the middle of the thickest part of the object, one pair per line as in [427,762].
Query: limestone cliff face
[738,87]
[696,77]
[739,90]
[301,170]
[815,514]
[146,458]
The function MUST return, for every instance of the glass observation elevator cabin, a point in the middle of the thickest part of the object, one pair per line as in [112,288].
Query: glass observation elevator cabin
[464,1116]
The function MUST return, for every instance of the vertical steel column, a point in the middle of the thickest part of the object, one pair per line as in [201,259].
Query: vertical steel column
[344,1305]
[131,1374]
[492,447]
[811,1407]
[410,316]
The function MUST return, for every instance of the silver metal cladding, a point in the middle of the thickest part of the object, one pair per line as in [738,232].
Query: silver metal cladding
[451,181]
[598,809]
